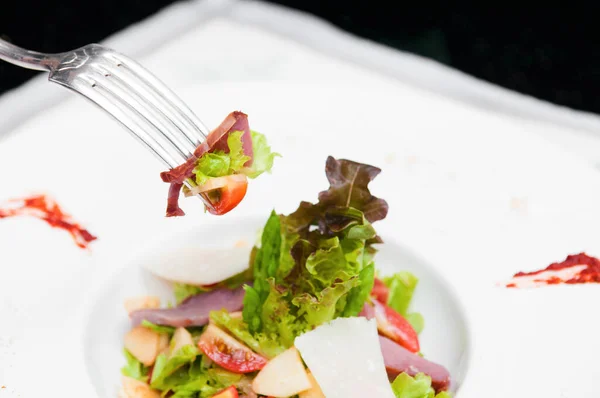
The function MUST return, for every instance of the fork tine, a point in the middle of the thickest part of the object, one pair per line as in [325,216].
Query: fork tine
[161,123]
[105,96]
[159,92]
[135,122]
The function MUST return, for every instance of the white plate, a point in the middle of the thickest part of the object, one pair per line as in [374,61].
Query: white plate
[445,338]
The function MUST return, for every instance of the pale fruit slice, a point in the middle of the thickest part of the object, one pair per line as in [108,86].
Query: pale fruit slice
[132,388]
[163,344]
[181,338]
[314,391]
[282,376]
[199,266]
[345,358]
[141,303]
[230,392]
[143,344]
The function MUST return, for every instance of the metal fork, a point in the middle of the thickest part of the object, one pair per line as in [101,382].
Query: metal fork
[127,91]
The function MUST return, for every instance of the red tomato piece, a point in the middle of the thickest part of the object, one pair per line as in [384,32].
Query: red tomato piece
[229,353]
[393,325]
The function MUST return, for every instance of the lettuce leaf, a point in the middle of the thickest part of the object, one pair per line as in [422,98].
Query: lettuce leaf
[401,289]
[405,386]
[262,157]
[158,328]
[349,188]
[416,320]
[265,267]
[237,327]
[199,378]
[183,291]
[359,294]
[220,163]
[402,286]
[165,375]
[315,264]
[134,368]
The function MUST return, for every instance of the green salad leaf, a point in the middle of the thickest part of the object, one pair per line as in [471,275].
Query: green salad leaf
[401,289]
[262,157]
[183,291]
[220,163]
[134,368]
[201,379]
[158,328]
[315,264]
[405,386]
[259,342]
[165,374]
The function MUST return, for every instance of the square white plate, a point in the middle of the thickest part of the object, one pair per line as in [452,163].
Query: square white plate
[453,176]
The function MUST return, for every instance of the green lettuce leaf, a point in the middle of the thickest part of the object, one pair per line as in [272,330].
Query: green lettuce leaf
[236,152]
[237,327]
[219,164]
[134,368]
[401,287]
[405,386]
[201,379]
[158,328]
[183,291]
[165,374]
[416,320]
[265,266]
[322,308]
[359,294]
[315,264]
[212,164]
[262,156]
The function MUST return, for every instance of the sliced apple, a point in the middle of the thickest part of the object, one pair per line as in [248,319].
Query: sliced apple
[141,303]
[282,376]
[181,338]
[143,344]
[230,392]
[132,388]
[229,353]
[163,344]
[314,391]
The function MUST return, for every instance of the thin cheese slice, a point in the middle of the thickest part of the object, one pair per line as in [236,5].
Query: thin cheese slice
[199,266]
[345,358]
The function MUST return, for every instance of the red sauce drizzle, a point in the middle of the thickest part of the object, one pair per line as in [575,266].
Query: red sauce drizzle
[589,274]
[44,208]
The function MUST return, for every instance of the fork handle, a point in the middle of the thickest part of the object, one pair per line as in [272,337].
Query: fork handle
[26,58]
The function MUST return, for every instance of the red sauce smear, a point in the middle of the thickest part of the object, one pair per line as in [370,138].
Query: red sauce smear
[584,269]
[45,208]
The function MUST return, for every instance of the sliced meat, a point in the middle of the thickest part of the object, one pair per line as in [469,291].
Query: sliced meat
[173,209]
[194,311]
[216,140]
[368,311]
[398,359]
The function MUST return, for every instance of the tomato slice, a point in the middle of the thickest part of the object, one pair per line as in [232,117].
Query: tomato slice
[380,291]
[229,392]
[229,353]
[395,327]
[229,195]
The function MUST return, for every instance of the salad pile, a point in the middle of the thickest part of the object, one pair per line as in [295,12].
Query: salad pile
[220,167]
[309,318]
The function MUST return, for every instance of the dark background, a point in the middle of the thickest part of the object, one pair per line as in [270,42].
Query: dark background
[550,53]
